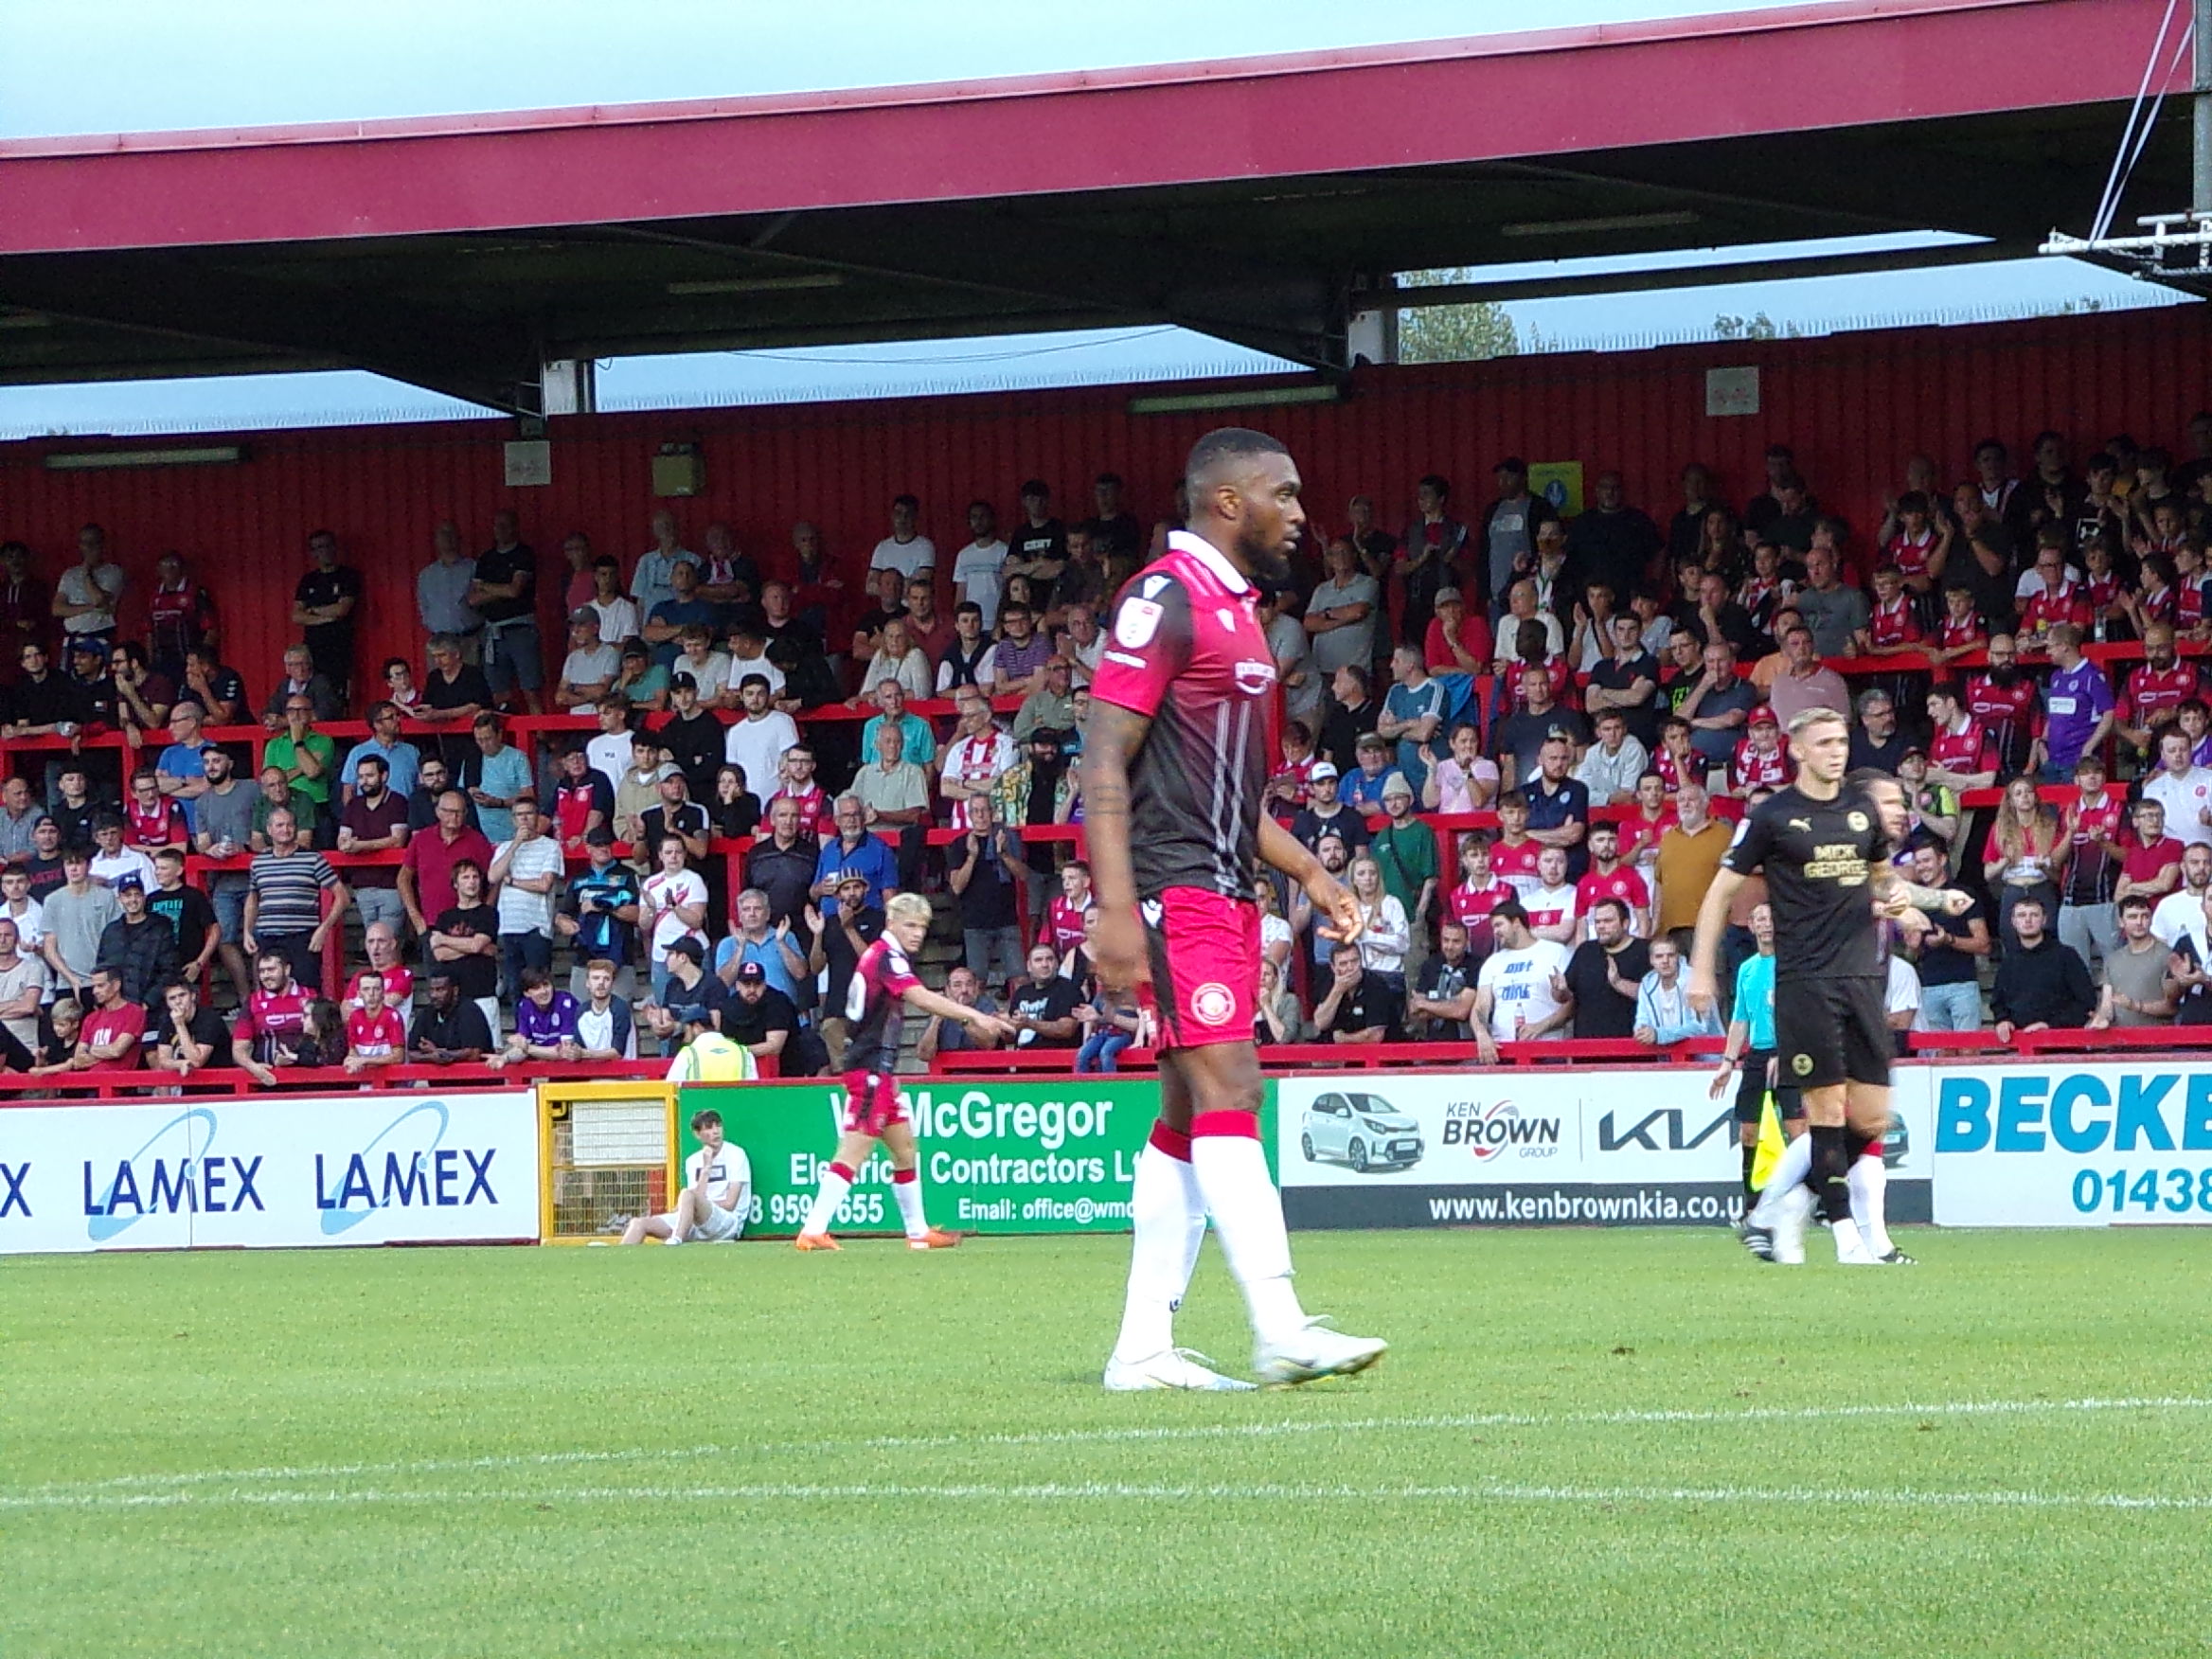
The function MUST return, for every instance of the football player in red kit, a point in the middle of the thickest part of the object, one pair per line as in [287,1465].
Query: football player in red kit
[1175,766]
[882,984]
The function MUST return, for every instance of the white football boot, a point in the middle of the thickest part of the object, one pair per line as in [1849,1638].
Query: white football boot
[1792,1209]
[1315,1352]
[1183,1369]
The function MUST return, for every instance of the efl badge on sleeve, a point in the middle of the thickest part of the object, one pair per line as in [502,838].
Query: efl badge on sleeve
[1139,619]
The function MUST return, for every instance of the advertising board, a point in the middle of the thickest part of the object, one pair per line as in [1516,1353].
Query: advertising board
[2072,1144]
[199,1173]
[1645,1147]
[998,1155]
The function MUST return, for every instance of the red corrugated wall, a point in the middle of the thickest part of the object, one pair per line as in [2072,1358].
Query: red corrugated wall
[1854,406]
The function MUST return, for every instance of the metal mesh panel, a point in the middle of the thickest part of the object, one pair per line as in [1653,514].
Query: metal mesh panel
[608,1161]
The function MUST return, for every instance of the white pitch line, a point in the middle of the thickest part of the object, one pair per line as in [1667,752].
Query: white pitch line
[1095,1491]
[1249,1431]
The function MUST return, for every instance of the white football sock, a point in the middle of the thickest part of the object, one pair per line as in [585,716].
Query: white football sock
[1845,1234]
[835,1185]
[909,1196]
[1869,1178]
[1169,1219]
[1248,1214]
[1790,1170]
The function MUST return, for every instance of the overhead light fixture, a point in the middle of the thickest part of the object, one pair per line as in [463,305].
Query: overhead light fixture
[760,284]
[1592,227]
[220,455]
[1242,398]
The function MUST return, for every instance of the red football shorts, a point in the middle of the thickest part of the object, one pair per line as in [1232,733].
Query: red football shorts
[1205,951]
[871,1102]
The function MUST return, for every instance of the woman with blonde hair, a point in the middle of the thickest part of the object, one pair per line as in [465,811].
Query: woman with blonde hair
[2021,857]
[898,658]
[1385,936]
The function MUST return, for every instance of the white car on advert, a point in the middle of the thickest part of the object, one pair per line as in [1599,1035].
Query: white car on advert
[1345,1126]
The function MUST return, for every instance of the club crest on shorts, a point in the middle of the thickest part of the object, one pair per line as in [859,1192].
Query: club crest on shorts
[1213,1003]
[1138,621]
[1801,1065]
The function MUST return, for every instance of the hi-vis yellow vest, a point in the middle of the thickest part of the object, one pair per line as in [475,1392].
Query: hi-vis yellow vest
[711,1058]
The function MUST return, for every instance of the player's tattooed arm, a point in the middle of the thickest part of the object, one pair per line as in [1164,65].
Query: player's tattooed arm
[1111,737]
[1890,887]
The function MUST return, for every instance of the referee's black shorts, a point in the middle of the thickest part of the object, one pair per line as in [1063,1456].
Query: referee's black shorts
[1831,1031]
[1751,1088]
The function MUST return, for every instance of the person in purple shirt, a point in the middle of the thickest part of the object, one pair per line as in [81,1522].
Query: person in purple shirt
[545,1020]
[2077,708]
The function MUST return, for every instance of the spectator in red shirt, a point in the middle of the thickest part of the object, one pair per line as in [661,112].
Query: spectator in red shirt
[151,819]
[2160,684]
[1959,629]
[269,1029]
[1760,761]
[113,1029]
[1457,642]
[2095,848]
[1478,892]
[2152,862]
[426,873]
[2003,698]
[1651,817]
[374,1033]
[1892,628]
[1610,878]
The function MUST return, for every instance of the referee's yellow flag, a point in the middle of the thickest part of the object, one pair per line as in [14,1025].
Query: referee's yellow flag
[1771,1142]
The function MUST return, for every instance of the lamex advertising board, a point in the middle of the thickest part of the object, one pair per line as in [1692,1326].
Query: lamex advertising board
[341,1169]
[2069,1145]
[1647,1146]
[998,1155]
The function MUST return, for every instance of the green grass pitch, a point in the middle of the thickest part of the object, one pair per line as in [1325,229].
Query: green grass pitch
[1583,1442]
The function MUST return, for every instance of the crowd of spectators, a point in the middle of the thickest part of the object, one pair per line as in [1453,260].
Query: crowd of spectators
[1519,737]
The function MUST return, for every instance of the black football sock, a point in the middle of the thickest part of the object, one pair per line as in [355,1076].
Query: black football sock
[1750,1158]
[1831,1179]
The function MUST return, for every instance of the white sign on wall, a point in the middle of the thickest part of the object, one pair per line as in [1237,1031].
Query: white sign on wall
[1732,391]
[2072,1144]
[1638,1146]
[347,1170]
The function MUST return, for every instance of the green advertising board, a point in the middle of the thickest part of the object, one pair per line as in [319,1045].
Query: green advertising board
[1017,1154]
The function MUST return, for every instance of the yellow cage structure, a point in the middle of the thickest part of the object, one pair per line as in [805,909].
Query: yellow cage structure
[606,1152]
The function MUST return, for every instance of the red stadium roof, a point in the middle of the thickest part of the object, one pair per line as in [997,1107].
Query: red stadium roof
[1546,92]
[1253,198]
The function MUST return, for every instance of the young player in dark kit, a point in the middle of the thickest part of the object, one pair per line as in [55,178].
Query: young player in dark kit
[1176,757]
[1824,849]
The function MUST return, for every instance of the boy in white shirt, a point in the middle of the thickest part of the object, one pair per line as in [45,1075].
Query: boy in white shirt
[717,1199]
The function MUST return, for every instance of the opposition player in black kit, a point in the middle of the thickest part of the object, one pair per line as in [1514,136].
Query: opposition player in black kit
[1176,753]
[1825,850]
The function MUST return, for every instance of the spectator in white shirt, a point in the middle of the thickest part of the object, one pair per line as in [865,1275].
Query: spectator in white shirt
[978,756]
[756,743]
[1612,765]
[112,860]
[905,549]
[1521,994]
[2184,789]
[976,568]
[19,907]
[619,619]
